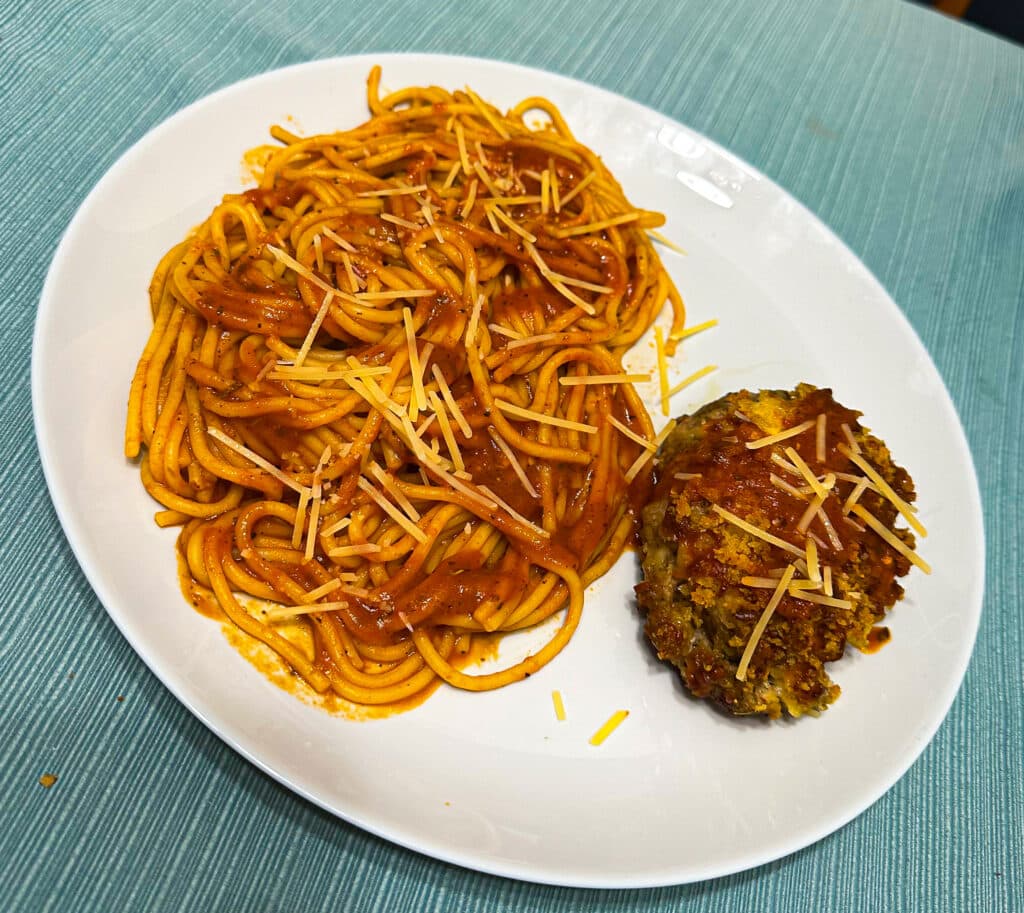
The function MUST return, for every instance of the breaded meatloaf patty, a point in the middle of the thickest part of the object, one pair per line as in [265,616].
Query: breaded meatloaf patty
[770,543]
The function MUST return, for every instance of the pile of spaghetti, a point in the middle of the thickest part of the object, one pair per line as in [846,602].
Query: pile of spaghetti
[383,394]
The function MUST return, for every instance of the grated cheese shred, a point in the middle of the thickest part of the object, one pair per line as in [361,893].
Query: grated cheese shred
[644,457]
[780,436]
[316,496]
[632,435]
[762,622]
[693,378]
[253,457]
[556,699]
[757,531]
[659,349]
[446,430]
[902,506]
[449,400]
[530,415]
[610,725]
[891,538]
[384,504]
[604,379]
[510,455]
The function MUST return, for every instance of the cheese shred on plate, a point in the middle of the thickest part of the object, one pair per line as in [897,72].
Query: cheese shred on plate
[611,724]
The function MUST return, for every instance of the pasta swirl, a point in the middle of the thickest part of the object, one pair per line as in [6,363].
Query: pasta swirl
[367,400]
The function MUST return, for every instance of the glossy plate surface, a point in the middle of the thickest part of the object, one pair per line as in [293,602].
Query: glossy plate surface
[493,781]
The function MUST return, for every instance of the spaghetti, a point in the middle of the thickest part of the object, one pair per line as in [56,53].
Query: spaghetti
[351,400]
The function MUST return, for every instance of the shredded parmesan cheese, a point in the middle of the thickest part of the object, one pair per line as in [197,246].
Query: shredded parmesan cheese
[556,280]
[580,186]
[854,495]
[854,446]
[302,271]
[314,328]
[316,496]
[337,239]
[631,434]
[757,531]
[461,488]
[819,438]
[474,320]
[269,365]
[604,379]
[514,514]
[693,378]
[511,223]
[392,191]
[321,591]
[592,227]
[762,623]
[659,348]
[902,506]
[481,172]
[820,600]
[353,279]
[644,457]
[532,340]
[352,551]
[336,527]
[782,462]
[398,220]
[460,136]
[556,699]
[388,483]
[661,239]
[783,485]
[517,467]
[853,523]
[686,332]
[805,471]
[761,583]
[270,468]
[392,294]
[579,283]
[318,247]
[830,530]
[446,430]
[813,570]
[504,331]
[891,538]
[385,505]
[283,613]
[467,207]
[566,292]
[449,399]
[528,414]
[780,436]
[418,400]
[300,518]
[556,191]
[811,512]
[480,154]
[449,181]
[613,723]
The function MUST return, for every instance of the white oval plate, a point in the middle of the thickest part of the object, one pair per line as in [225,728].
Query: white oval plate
[679,793]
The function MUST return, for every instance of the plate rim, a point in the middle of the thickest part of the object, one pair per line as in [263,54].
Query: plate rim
[94,576]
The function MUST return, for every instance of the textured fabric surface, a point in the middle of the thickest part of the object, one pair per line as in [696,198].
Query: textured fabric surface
[902,130]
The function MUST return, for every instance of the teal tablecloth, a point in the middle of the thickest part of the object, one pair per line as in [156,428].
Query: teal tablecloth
[902,130]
